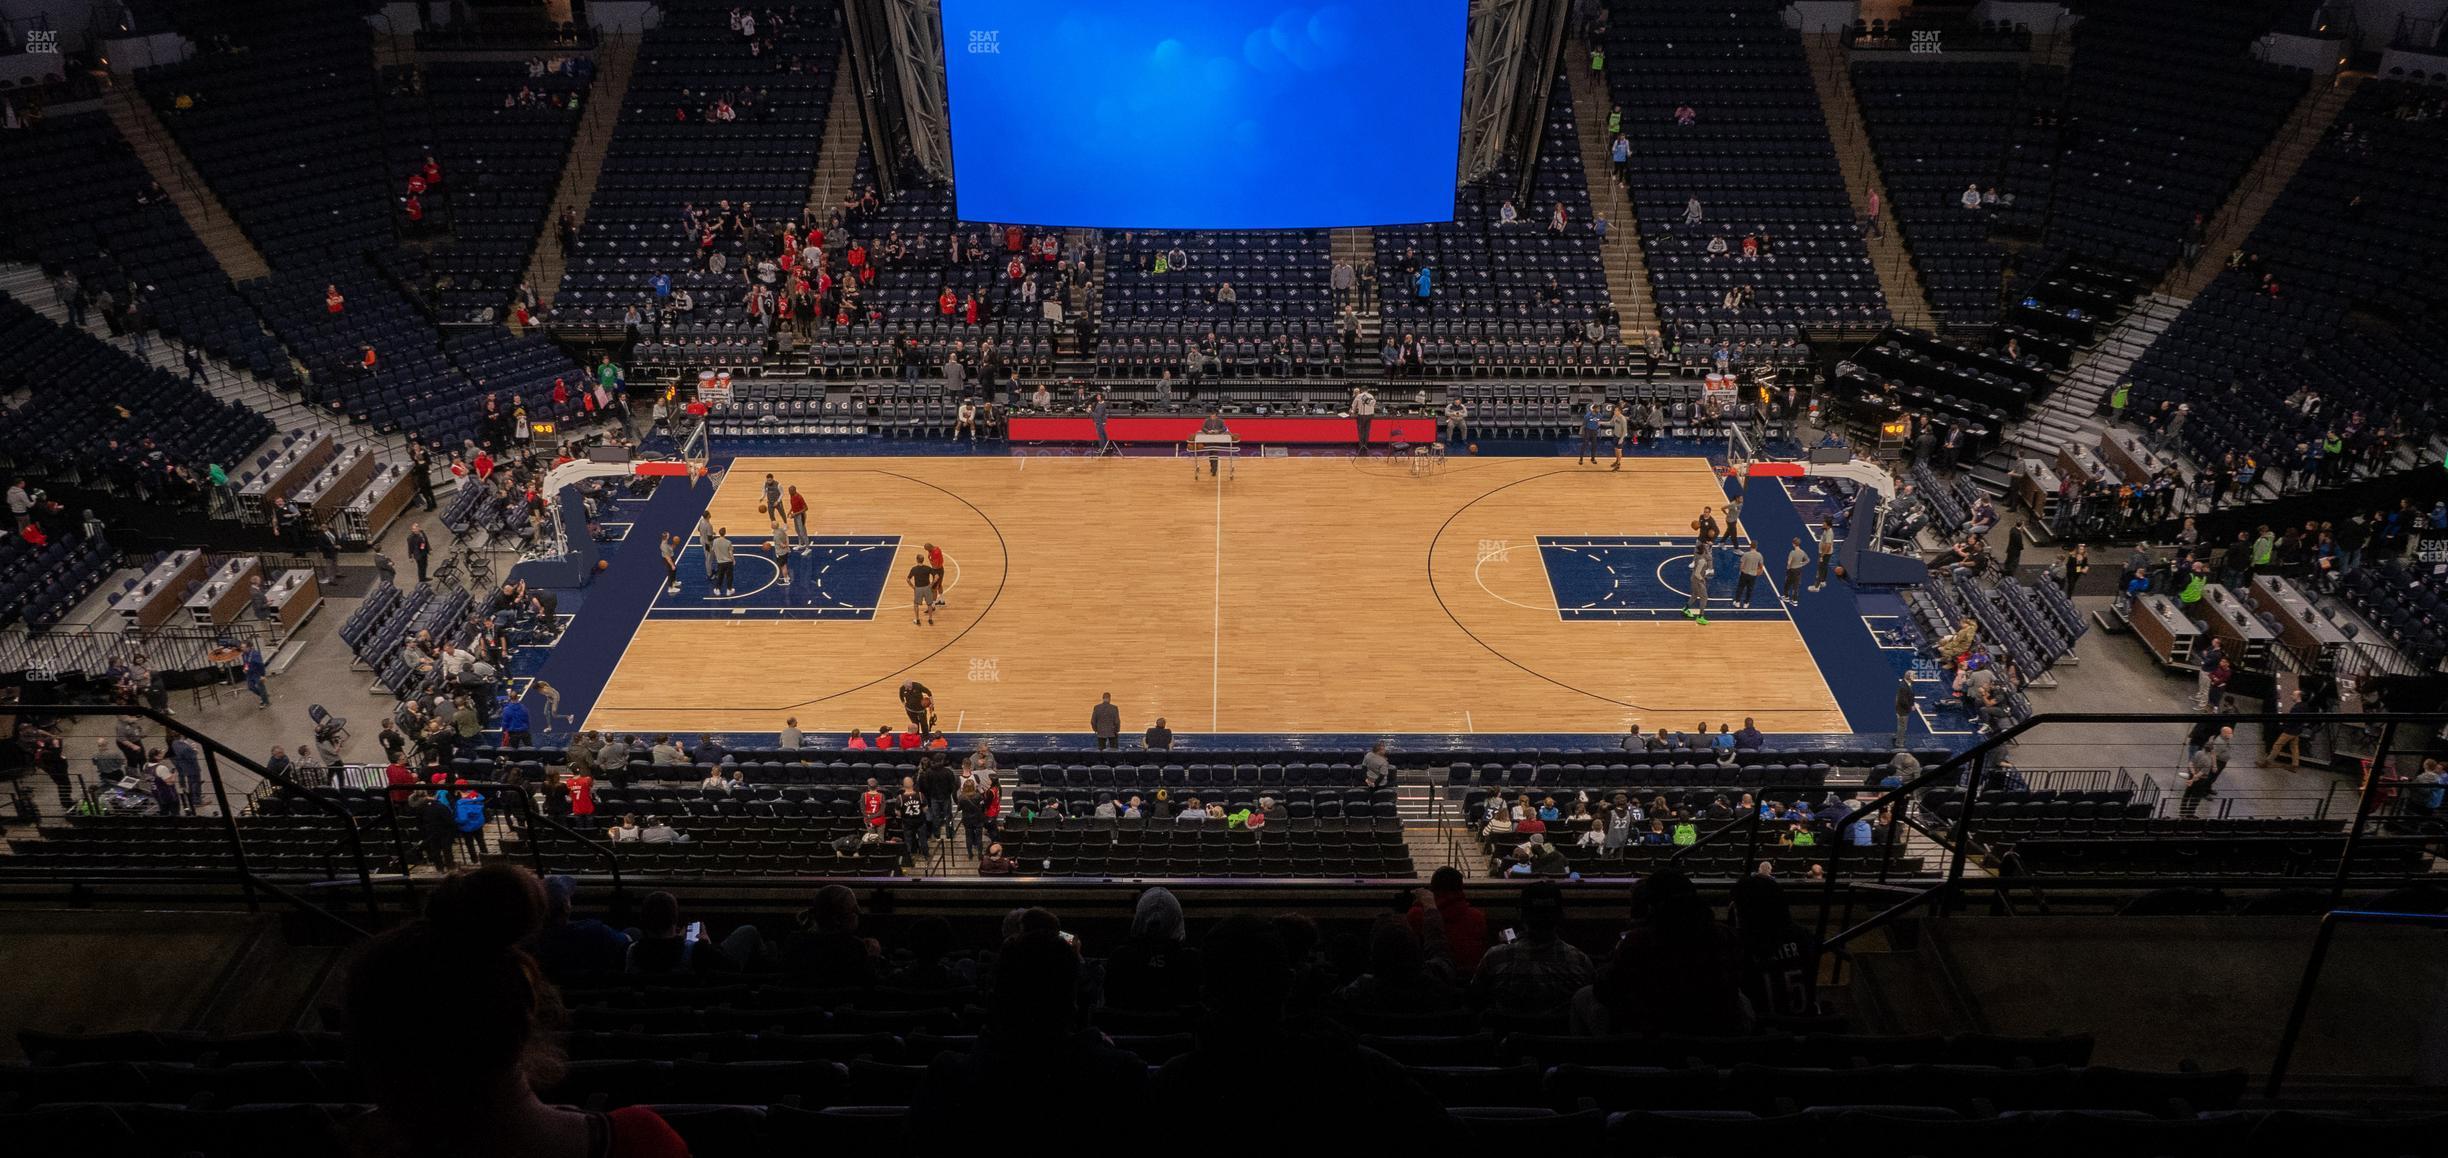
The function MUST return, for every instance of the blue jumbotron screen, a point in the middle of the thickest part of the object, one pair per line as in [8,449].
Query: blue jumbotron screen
[1204,114]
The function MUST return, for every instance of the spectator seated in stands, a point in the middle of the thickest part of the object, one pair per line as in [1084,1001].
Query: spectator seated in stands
[1676,970]
[1154,969]
[1537,972]
[470,1086]
[1249,1052]
[661,944]
[568,946]
[1033,1052]
[826,949]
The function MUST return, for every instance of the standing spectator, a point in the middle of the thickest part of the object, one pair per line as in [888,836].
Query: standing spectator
[515,726]
[189,762]
[2200,780]
[1343,280]
[2289,737]
[1364,411]
[1795,560]
[327,544]
[2208,661]
[468,814]
[2073,567]
[162,780]
[939,784]
[972,805]
[251,662]
[420,548]
[909,812]
[1106,721]
[1903,708]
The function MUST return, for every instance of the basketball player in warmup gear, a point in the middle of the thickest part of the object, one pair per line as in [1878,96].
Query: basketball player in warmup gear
[1619,428]
[778,542]
[934,557]
[1703,568]
[919,704]
[1704,528]
[922,582]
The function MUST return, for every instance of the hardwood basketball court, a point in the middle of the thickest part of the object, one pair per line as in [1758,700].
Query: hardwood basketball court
[1304,595]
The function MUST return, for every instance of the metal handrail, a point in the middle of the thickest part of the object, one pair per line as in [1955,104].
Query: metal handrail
[214,753]
[1950,773]
[2302,1008]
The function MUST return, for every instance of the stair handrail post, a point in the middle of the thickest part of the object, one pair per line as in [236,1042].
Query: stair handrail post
[2373,773]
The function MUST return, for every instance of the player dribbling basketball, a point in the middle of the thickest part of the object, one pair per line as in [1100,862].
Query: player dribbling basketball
[919,703]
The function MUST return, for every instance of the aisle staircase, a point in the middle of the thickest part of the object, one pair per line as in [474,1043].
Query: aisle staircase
[2070,413]
[615,63]
[206,217]
[1888,256]
[837,152]
[2258,190]
[1071,361]
[1359,247]
[1627,268]
[27,284]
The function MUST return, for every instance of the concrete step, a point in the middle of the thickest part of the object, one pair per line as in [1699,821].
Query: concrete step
[1898,279]
[206,217]
[228,383]
[837,153]
[1627,268]
[2250,200]
[615,63]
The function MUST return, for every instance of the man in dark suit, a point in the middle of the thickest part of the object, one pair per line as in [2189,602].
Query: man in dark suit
[420,472]
[419,548]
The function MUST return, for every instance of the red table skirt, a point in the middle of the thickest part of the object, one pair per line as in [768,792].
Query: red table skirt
[1071,428]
